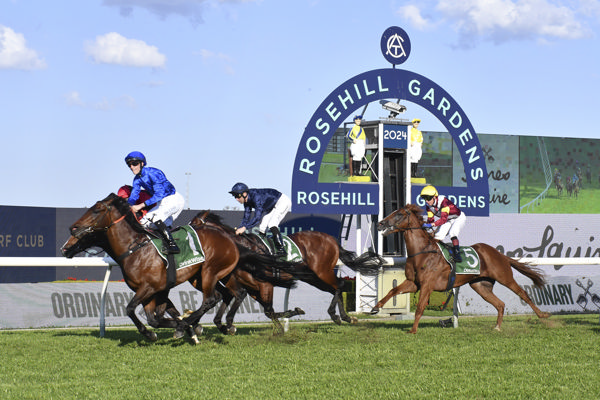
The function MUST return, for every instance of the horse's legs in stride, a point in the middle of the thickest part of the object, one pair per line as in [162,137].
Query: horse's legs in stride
[514,286]
[342,309]
[332,308]
[405,287]
[227,298]
[484,289]
[136,301]
[230,329]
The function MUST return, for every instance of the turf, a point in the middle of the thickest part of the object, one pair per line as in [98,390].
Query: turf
[530,358]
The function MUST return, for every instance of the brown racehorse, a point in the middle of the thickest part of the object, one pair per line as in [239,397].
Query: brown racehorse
[427,270]
[111,225]
[320,253]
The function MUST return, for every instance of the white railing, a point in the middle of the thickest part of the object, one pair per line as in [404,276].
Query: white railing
[109,263]
[68,262]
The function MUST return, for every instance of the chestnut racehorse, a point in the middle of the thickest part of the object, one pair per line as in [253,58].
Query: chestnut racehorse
[427,270]
[111,225]
[320,253]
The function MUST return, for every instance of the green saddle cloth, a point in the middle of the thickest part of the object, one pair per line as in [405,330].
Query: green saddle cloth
[470,263]
[189,245]
[291,249]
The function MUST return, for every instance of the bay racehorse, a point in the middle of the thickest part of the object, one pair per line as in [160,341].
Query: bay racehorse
[253,279]
[320,254]
[427,270]
[111,225]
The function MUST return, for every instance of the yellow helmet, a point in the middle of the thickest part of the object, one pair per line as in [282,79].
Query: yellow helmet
[429,191]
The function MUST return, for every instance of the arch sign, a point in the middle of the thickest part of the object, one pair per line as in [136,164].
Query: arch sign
[311,196]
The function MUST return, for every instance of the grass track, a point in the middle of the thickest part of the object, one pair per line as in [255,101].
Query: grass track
[375,359]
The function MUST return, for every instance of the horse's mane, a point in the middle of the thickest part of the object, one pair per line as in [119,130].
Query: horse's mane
[215,219]
[415,209]
[124,208]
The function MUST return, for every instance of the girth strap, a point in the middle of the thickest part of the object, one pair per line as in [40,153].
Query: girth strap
[131,251]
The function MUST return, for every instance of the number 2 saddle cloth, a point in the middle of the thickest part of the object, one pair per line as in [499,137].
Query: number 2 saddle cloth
[292,251]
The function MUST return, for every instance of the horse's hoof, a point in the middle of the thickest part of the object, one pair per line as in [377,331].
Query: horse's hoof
[151,336]
[178,334]
[186,313]
[299,311]
[195,340]
[232,330]
[337,320]
[353,320]
[222,329]
[374,310]
[198,329]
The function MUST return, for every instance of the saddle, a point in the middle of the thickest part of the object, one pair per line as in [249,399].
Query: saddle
[190,250]
[470,263]
[291,249]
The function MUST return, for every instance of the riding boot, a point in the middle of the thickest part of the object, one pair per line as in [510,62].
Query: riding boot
[278,240]
[413,170]
[457,255]
[356,167]
[167,238]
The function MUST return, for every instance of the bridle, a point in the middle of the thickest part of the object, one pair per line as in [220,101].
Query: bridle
[410,228]
[82,232]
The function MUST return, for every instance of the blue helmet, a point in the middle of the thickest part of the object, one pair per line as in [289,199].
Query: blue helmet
[135,156]
[239,188]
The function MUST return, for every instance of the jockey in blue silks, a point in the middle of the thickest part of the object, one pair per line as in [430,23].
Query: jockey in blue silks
[270,207]
[169,203]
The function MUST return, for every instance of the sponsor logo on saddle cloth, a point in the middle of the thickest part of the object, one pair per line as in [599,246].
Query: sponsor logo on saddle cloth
[292,251]
[470,263]
[189,246]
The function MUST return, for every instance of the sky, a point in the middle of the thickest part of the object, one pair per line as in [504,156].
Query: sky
[215,92]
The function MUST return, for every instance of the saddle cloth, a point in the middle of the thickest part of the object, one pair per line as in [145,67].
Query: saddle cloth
[470,263]
[189,246]
[291,249]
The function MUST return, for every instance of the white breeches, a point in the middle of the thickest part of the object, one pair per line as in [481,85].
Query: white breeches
[451,228]
[283,205]
[357,150]
[416,151]
[166,210]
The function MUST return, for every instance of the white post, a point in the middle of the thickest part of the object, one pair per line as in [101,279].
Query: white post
[103,300]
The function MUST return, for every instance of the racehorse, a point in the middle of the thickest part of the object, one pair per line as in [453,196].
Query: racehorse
[111,225]
[320,253]
[256,280]
[427,270]
[558,184]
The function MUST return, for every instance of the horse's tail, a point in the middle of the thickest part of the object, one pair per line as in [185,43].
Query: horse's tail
[367,263]
[268,268]
[535,274]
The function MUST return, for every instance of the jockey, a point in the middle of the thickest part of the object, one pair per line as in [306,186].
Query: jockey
[443,215]
[270,207]
[169,203]
[357,148]
[125,191]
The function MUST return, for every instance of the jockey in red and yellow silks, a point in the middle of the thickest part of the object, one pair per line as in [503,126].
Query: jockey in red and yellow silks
[444,215]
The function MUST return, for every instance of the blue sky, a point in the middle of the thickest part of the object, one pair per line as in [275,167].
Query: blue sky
[219,91]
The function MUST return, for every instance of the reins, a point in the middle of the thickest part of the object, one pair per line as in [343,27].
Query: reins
[93,229]
[410,228]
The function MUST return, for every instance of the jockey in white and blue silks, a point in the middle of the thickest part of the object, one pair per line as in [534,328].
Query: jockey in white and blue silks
[169,203]
[270,207]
